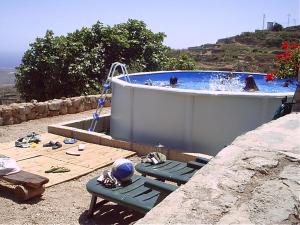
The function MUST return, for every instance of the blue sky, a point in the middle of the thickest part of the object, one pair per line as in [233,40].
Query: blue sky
[186,23]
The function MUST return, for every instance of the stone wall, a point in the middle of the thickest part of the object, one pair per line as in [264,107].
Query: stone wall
[255,180]
[20,112]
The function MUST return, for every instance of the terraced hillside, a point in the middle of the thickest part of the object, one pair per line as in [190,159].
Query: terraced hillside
[249,51]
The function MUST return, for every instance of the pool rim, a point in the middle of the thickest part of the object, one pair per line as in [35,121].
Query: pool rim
[117,80]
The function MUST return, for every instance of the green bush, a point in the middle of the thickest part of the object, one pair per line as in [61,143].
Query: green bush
[78,63]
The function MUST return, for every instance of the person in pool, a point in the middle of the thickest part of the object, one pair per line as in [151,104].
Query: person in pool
[173,81]
[250,84]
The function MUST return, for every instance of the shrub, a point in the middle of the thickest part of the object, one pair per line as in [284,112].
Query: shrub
[288,63]
[77,64]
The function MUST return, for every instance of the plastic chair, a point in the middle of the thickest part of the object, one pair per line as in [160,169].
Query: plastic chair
[171,170]
[140,194]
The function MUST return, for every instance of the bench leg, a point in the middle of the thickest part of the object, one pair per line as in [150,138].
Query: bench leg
[92,206]
[24,193]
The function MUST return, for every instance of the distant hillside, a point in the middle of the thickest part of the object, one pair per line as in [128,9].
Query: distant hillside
[249,51]
[7,77]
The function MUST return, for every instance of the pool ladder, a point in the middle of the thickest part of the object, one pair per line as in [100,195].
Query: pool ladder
[106,87]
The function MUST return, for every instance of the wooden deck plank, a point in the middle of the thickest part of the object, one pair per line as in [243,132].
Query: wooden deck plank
[92,155]
[39,159]
[40,164]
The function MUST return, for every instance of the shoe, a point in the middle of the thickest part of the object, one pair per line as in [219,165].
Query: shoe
[57,145]
[81,147]
[70,140]
[49,144]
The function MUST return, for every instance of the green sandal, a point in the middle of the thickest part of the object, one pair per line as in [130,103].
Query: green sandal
[57,169]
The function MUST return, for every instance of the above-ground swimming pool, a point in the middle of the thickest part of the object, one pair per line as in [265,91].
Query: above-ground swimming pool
[203,113]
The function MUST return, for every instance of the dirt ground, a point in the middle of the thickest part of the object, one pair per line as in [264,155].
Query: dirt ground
[64,203]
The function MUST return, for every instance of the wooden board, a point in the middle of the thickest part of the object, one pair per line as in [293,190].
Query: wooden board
[39,159]
[93,156]
[40,164]
[26,178]
[9,149]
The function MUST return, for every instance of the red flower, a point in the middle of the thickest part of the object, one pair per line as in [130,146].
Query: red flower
[294,45]
[270,77]
[284,45]
[279,56]
[287,56]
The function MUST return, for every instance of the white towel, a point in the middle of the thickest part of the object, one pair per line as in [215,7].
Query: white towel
[8,166]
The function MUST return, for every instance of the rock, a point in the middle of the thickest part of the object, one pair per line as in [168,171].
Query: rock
[63,110]
[76,101]
[42,108]
[8,120]
[53,113]
[68,102]
[1,121]
[271,203]
[80,108]
[31,116]
[21,117]
[27,108]
[54,105]
[6,112]
[71,110]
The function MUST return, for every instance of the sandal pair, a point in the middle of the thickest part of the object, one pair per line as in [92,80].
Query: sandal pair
[54,145]
[57,169]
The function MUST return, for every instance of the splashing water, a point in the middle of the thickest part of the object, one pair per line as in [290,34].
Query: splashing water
[225,83]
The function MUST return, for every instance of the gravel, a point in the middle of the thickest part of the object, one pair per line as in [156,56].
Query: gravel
[64,203]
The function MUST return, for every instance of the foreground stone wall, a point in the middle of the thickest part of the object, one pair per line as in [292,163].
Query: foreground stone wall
[255,180]
[19,112]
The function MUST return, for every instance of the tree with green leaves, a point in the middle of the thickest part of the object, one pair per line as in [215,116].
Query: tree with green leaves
[78,63]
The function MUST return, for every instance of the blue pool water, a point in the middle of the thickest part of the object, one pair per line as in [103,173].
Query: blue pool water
[215,81]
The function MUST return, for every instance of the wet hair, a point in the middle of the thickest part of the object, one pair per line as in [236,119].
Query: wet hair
[286,84]
[250,84]
[173,81]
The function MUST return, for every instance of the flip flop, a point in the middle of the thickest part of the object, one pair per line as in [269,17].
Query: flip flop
[70,140]
[72,152]
[57,169]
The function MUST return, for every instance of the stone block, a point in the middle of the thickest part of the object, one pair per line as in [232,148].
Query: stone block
[76,101]
[54,105]
[63,110]
[6,112]
[71,110]
[68,102]
[31,116]
[8,120]
[21,117]
[42,107]
[53,113]
[80,108]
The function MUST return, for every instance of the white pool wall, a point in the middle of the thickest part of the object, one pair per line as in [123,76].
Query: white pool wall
[189,120]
